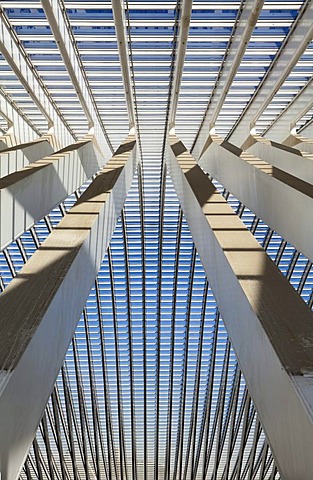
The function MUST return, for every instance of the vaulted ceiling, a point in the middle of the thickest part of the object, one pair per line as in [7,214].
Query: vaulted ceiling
[150,387]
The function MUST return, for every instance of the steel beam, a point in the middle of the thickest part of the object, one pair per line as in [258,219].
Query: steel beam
[291,50]
[239,42]
[20,129]
[122,43]
[17,58]
[288,159]
[29,194]
[56,15]
[283,201]
[17,157]
[180,58]
[286,122]
[41,306]
[259,310]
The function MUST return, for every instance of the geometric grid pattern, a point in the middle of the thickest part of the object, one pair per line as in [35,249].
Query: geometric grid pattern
[150,387]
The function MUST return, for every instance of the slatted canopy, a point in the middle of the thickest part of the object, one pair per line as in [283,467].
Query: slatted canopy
[151,387]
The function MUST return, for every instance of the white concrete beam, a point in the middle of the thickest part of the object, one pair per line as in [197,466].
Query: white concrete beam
[290,160]
[246,23]
[29,194]
[286,122]
[122,42]
[180,59]
[17,58]
[56,18]
[40,308]
[300,142]
[281,67]
[17,157]
[270,327]
[283,201]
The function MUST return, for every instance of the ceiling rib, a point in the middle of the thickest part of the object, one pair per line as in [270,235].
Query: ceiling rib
[121,35]
[181,45]
[286,122]
[16,56]
[59,25]
[293,46]
[238,43]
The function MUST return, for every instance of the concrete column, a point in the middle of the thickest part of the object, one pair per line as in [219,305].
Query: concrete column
[283,201]
[32,192]
[41,306]
[16,157]
[270,327]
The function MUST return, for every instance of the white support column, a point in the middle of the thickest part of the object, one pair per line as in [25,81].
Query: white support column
[21,65]
[17,157]
[286,158]
[249,16]
[283,201]
[287,121]
[56,18]
[41,306]
[180,59]
[270,327]
[29,194]
[121,36]
[281,67]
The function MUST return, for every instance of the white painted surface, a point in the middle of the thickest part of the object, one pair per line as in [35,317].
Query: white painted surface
[290,54]
[270,327]
[285,209]
[301,166]
[47,301]
[29,194]
[14,159]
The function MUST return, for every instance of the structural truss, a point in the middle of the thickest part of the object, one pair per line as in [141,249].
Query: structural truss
[155,316]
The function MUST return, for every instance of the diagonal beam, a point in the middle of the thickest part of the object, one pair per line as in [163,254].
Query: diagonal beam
[17,58]
[20,129]
[259,312]
[180,59]
[290,160]
[286,122]
[56,15]
[239,42]
[296,42]
[29,194]
[121,36]
[277,197]
[300,142]
[47,301]
[17,157]
[13,53]
[307,129]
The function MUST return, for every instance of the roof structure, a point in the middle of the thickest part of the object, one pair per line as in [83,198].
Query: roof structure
[150,387]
